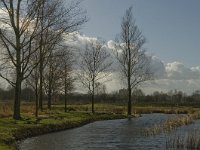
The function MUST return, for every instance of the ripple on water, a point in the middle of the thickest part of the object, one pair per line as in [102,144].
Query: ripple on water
[120,134]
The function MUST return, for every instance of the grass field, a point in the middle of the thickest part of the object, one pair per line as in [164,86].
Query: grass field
[6,109]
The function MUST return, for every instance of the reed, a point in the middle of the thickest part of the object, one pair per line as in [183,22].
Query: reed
[191,141]
[168,125]
[6,110]
[175,143]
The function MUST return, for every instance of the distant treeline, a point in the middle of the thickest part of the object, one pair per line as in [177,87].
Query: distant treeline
[172,97]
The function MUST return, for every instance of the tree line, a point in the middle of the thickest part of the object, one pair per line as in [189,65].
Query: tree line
[34,53]
[170,98]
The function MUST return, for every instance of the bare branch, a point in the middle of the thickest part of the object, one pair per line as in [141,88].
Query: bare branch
[131,56]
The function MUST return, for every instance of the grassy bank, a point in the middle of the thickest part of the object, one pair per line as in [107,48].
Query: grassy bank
[12,130]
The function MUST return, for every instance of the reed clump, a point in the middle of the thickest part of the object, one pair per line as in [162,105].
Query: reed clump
[177,142]
[181,142]
[168,125]
[6,110]
[173,123]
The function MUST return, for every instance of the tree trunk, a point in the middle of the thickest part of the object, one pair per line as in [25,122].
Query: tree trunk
[65,92]
[19,76]
[65,102]
[129,94]
[129,100]
[41,63]
[16,114]
[93,97]
[41,82]
[50,80]
[49,98]
[36,100]
[129,80]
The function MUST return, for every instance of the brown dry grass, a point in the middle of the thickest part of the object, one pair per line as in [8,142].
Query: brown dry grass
[169,125]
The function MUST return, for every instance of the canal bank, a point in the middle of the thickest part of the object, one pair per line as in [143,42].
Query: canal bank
[119,134]
[12,131]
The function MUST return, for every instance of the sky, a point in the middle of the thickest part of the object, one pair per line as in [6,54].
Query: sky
[172,30]
[170,26]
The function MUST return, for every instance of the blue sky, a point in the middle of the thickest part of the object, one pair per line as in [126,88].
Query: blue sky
[172,27]
[172,30]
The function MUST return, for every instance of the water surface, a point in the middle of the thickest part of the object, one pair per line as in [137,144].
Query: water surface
[121,134]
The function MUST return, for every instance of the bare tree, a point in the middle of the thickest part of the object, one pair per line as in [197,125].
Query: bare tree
[58,74]
[133,62]
[52,75]
[19,27]
[33,81]
[59,17]
[94,67]
[23,24]
[66,79]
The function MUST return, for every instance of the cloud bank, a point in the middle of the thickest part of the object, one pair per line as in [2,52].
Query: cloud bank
[176,76]
[168,76]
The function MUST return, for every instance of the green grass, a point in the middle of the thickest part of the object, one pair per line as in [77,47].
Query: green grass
[6,147]
[12,130]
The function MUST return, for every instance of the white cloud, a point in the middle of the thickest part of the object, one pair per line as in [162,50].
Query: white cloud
[179,71]
[77,41]
[111,44]
[157,67]
[174,70]
[174,75]
[165,85]
[170,76]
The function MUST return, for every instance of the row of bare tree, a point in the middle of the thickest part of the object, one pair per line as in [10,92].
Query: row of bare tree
[31,34]
[128,50]
[33,50]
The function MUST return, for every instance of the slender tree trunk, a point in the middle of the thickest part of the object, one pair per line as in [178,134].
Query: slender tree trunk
[41,81]
[49,97]
[65,102]
[36,101]
[16,114]
[49,93]
[19,76]
[50,83]
[65,90]
[129,100]
[41,64]
[129,80]
[93,96]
